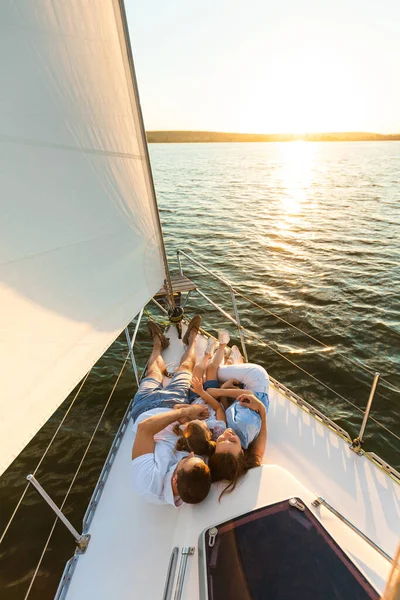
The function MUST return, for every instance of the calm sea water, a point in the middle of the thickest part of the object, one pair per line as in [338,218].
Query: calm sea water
[311,233]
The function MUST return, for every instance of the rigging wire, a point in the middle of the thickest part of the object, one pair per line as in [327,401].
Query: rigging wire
[235,291]
[351,360]
[301,368]
[320,382]
[112,392]
[43,456]
[74,478]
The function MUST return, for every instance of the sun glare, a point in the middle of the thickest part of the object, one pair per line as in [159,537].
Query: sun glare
[296,175]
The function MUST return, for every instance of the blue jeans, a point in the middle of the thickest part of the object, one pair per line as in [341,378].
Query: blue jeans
[151,393]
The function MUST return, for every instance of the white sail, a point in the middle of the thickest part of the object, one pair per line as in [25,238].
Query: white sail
[80,245]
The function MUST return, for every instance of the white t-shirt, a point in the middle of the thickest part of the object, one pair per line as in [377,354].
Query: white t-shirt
[152,473]
[253,377]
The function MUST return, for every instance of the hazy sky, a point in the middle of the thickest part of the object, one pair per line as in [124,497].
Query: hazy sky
[268,65]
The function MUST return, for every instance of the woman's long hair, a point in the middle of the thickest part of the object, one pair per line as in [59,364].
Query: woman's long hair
[225,466]
[195,438]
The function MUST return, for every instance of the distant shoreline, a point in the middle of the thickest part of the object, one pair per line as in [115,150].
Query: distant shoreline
[171,137]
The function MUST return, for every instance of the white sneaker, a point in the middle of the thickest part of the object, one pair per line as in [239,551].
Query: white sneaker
[237,358]
[210,346]
[223,336]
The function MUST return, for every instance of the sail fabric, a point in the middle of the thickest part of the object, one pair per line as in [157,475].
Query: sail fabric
[80,241]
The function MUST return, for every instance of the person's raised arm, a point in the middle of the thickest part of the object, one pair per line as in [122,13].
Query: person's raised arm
[231,383]
[144,442]
[197,387]
[230,393]
[256,449]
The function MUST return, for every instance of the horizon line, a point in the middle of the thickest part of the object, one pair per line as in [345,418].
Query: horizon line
[186,136]
[304,133]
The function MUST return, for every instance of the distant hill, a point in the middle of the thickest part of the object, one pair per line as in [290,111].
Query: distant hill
[166,137]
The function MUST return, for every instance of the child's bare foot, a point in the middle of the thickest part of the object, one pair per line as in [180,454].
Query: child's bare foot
[210,346]
[236,356]
[223,336]
[228,356]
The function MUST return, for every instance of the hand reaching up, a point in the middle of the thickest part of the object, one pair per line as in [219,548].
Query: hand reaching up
[197,385]
[231,383]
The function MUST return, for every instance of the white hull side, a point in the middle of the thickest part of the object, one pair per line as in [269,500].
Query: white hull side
[132,541]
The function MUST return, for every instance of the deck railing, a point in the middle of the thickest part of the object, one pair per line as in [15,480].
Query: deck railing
[82,540]
[356,443]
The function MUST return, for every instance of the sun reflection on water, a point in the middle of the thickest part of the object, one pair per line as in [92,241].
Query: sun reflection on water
[296,175]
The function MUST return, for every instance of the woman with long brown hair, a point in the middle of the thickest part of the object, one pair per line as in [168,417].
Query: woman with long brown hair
[230,461]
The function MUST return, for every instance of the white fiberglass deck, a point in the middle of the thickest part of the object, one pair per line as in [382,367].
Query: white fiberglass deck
[131,541]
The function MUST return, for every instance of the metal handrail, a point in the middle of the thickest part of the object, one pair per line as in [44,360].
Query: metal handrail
[170,574]
[195,262]
[186,552]
[357,442]
[215,305]
[358,363]
[189,550]
[81,540]
[232,291]
[321,501]
[311,409]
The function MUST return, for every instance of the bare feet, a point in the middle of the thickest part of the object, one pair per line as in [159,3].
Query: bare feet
[236,356]
[155,330]
[228,356]
[210,346]
[223,336]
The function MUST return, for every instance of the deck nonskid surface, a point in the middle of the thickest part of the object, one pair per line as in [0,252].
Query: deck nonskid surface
[132,541]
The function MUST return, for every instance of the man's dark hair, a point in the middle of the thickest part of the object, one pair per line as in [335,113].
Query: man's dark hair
[193,486]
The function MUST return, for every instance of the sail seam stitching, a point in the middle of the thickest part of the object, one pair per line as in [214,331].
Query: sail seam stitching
[29,142]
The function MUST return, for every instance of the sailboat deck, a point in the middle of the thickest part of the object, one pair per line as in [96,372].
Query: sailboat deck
[131,541]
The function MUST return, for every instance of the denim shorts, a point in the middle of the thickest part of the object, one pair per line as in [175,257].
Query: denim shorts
[211,383]
[151,394]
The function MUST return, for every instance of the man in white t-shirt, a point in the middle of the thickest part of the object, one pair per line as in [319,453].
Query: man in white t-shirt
[162,475]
